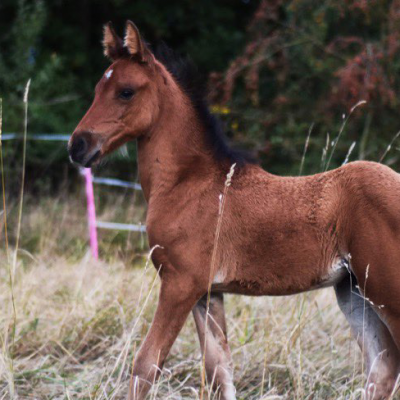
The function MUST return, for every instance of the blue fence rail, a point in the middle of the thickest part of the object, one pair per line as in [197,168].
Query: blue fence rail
[59,137]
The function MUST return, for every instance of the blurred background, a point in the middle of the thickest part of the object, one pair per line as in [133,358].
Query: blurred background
[273,67]
[277,72]
[285,77]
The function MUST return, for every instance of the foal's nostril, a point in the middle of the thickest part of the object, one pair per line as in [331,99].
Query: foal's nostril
[78,149]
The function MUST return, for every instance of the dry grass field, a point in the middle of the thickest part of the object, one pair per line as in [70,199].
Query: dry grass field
[69,326]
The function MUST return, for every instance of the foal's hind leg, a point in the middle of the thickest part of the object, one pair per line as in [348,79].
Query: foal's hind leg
[381,354]
[214,340]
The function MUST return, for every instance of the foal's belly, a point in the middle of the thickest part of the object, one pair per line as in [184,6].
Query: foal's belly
[274,283]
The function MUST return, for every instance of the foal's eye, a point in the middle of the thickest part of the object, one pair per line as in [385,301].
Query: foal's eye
[126,94]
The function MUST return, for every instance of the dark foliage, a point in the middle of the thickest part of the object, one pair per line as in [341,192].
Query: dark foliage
[274,68]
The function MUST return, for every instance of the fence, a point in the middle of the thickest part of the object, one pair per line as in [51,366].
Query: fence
[93,223]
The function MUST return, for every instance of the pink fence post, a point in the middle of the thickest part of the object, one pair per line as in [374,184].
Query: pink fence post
[91,210]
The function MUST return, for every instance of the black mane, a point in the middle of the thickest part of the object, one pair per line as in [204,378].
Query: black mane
[186,75]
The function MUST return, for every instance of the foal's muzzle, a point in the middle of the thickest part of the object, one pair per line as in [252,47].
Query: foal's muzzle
[80,152]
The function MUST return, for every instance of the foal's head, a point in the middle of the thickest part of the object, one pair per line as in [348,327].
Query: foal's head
[135,96]
[126,101]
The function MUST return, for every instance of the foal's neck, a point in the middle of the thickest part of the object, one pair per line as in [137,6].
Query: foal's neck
[176,149]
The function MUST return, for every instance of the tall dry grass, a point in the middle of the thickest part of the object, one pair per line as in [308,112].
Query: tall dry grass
[79,323]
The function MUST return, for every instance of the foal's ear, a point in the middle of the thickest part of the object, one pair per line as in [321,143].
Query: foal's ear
[134,43]
[112,43]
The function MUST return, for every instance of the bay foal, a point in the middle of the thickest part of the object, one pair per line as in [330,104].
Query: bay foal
[276,236]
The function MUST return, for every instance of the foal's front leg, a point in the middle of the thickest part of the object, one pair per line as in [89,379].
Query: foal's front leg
[214,343]
[178,295]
